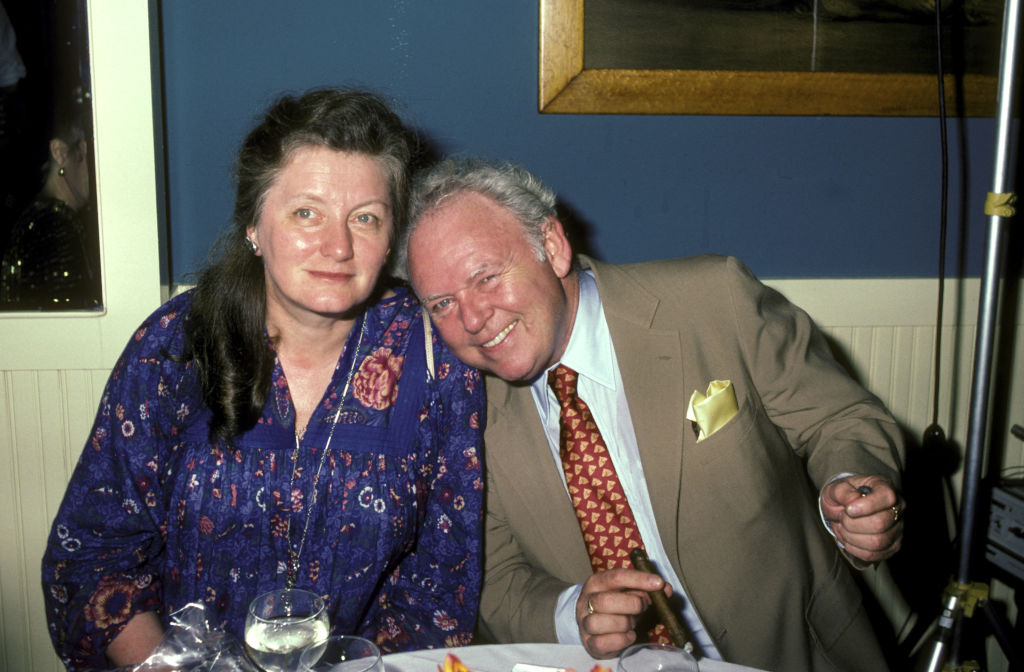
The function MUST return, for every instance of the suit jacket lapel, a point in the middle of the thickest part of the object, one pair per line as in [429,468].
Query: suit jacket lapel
[528,473]
[651,365]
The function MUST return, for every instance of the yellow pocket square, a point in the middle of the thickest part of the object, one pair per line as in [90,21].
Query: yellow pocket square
[710,412]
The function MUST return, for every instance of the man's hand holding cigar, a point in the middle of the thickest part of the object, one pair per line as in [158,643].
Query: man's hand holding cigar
[609,606]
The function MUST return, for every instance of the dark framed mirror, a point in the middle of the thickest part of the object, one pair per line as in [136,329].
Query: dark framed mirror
[49,238]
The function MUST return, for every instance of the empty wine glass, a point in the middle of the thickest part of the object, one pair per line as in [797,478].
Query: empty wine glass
[656,658]
[342,653]
[281,624]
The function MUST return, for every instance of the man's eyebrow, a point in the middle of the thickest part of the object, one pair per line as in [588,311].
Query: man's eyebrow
[480,270]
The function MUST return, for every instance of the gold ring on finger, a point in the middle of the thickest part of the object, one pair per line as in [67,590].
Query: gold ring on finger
[590,605]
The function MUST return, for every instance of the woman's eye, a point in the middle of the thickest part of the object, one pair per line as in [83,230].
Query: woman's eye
[366,218]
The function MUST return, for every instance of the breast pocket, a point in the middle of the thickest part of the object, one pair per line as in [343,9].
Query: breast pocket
[748,458]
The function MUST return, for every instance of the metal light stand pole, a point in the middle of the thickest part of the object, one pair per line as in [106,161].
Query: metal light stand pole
[963,596]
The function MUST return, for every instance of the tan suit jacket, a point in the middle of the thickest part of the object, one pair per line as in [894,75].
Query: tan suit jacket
[738,511]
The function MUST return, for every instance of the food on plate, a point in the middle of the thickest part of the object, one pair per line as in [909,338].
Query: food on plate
[453,664]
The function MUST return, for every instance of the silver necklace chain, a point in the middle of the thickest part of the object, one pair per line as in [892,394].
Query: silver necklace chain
[294,556]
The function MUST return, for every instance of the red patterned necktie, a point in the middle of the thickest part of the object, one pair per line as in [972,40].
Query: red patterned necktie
[609,529]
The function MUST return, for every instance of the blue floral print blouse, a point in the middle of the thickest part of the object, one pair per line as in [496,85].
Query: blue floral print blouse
[157,515]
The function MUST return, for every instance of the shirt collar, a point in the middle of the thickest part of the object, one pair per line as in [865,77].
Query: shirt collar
[589,351]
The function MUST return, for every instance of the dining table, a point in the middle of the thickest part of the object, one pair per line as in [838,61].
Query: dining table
[533,657]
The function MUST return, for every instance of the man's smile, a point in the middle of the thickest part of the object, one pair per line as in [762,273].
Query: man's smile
[501,335]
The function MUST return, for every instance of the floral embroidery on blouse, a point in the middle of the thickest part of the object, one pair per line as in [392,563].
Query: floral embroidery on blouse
[376,382]
[156,515]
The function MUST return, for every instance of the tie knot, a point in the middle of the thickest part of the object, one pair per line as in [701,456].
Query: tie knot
[562,380]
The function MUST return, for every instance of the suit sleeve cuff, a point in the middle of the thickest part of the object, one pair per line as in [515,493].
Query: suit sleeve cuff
[857,563]
[821,512]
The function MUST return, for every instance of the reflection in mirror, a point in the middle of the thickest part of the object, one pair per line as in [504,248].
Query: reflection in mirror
[49,239]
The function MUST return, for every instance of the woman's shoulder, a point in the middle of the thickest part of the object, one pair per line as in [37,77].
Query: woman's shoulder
[44,210]
[153,364]
[397,298]
[400,314]
[396,310]
[172,313]
[163,331]
[32,235]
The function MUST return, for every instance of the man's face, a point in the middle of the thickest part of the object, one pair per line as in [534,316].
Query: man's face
[497,305]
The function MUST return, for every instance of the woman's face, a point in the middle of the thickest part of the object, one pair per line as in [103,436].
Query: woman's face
[324,234]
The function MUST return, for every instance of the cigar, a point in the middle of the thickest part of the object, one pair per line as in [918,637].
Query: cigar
[668,617]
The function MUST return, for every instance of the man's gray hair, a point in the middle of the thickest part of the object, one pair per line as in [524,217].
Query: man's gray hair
[510,186]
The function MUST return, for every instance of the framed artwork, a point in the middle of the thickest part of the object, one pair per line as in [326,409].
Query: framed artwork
[766,57]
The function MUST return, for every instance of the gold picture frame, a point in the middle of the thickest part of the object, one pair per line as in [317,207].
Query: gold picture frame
[566,87]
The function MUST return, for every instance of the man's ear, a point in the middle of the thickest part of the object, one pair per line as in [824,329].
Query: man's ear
[557,247]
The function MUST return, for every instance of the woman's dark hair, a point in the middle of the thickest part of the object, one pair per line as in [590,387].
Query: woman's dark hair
[70,124]
[225,330]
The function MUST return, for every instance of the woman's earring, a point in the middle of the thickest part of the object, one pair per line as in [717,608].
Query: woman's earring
[252,245]
[61,171]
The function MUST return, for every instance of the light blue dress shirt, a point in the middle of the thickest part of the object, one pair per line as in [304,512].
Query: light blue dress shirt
[590,353]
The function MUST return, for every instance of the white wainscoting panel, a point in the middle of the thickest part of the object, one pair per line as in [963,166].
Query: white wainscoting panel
[45,417]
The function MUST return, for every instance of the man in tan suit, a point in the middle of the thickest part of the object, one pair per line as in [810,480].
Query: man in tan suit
[746,518]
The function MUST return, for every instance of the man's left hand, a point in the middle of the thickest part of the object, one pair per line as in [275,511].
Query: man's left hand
[866,515]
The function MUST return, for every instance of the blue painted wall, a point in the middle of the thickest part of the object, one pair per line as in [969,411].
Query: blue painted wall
[792,196]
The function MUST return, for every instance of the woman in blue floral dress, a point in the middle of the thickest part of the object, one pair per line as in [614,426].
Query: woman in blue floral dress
[287,422]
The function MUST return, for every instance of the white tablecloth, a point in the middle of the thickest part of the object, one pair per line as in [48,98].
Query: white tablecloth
[501,658]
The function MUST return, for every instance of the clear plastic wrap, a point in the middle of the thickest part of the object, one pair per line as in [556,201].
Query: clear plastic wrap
[191,644]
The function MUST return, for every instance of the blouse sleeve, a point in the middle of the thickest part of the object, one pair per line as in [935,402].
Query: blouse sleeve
[99,567]
[431,598]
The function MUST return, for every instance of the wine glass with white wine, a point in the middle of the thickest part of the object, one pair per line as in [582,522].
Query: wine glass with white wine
[281,624]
